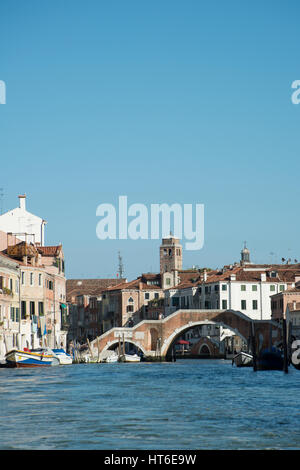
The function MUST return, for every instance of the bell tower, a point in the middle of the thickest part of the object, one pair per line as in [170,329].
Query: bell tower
[170,255]
[245,255]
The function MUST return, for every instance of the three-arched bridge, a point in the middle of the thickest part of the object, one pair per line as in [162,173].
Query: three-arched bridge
[157,337]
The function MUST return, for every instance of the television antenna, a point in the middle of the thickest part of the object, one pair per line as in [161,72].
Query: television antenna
[121,266]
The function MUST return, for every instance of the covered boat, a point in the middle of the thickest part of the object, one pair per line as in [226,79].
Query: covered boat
[63,357]
[270,359]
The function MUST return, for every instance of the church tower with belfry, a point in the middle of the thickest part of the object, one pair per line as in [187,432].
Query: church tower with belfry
[170,255]
[245,256]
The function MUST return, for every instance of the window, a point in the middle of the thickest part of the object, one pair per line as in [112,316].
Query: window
[41,308]
[175,301]
[168,281]
[254,304]
[11,284]
[17,314]
[31,279]
[254,287]
[147,295]
[12,313]
[224,286]
[156,295]
[129,308]
[243,287]
[40,279]
[243,305]
[272,288]
[281,288]
[23,278]
[130,299]
[216,288]
[23,309]
[224,304]
[32,309]
[17,286]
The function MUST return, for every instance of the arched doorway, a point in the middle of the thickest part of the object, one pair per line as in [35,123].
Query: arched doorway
[204,351]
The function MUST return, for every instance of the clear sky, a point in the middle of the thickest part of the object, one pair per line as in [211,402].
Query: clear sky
[163,101]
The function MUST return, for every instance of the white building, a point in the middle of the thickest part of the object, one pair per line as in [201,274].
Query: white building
[246,288]
[19,222]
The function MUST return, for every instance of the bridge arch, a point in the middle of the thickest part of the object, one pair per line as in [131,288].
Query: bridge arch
[114,343]
[168,342]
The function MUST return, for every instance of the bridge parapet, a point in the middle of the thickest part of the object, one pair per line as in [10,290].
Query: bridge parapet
[148,333]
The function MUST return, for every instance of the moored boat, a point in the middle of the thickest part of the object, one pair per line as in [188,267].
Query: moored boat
[30,358]
[242,359]
[129,358]
[63,357]
[112,358]
[270,359]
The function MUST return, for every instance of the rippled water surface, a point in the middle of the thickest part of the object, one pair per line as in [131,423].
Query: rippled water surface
[189,404]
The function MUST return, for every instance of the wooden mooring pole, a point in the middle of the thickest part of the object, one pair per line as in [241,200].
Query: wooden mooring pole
[253,342]
[285,348]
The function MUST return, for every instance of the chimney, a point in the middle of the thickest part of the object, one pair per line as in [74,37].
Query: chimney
[204,275]
[263,277]
[294,305]
[22,201]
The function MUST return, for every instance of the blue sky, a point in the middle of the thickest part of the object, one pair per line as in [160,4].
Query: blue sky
[162,101]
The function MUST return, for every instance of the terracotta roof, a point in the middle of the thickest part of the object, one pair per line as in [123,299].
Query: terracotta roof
[247,273]
[49,250]
[137,284]
[90,287]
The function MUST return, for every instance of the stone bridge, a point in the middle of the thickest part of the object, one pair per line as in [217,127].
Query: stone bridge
[156,337]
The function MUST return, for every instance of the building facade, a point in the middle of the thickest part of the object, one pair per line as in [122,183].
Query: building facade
[23,224]
[246,288]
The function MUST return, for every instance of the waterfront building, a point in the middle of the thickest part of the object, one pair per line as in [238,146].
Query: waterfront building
[127,303]
[33,306]
[245,287]
[280,301]
[84,298]
[42,294]
[10,302]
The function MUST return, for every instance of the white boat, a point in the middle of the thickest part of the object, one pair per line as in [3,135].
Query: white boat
[31,358]
[242,359]
[63,357]
[112,358]
[129,358]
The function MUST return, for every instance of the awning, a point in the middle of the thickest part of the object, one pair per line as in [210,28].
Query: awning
[63,305]
[182,341]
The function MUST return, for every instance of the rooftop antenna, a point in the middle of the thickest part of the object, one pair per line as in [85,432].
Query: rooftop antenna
[121,266]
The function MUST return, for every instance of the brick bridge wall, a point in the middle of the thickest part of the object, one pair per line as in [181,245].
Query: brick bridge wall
[146,334]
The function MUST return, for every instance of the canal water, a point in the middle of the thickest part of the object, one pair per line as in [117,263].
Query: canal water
[189,404]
